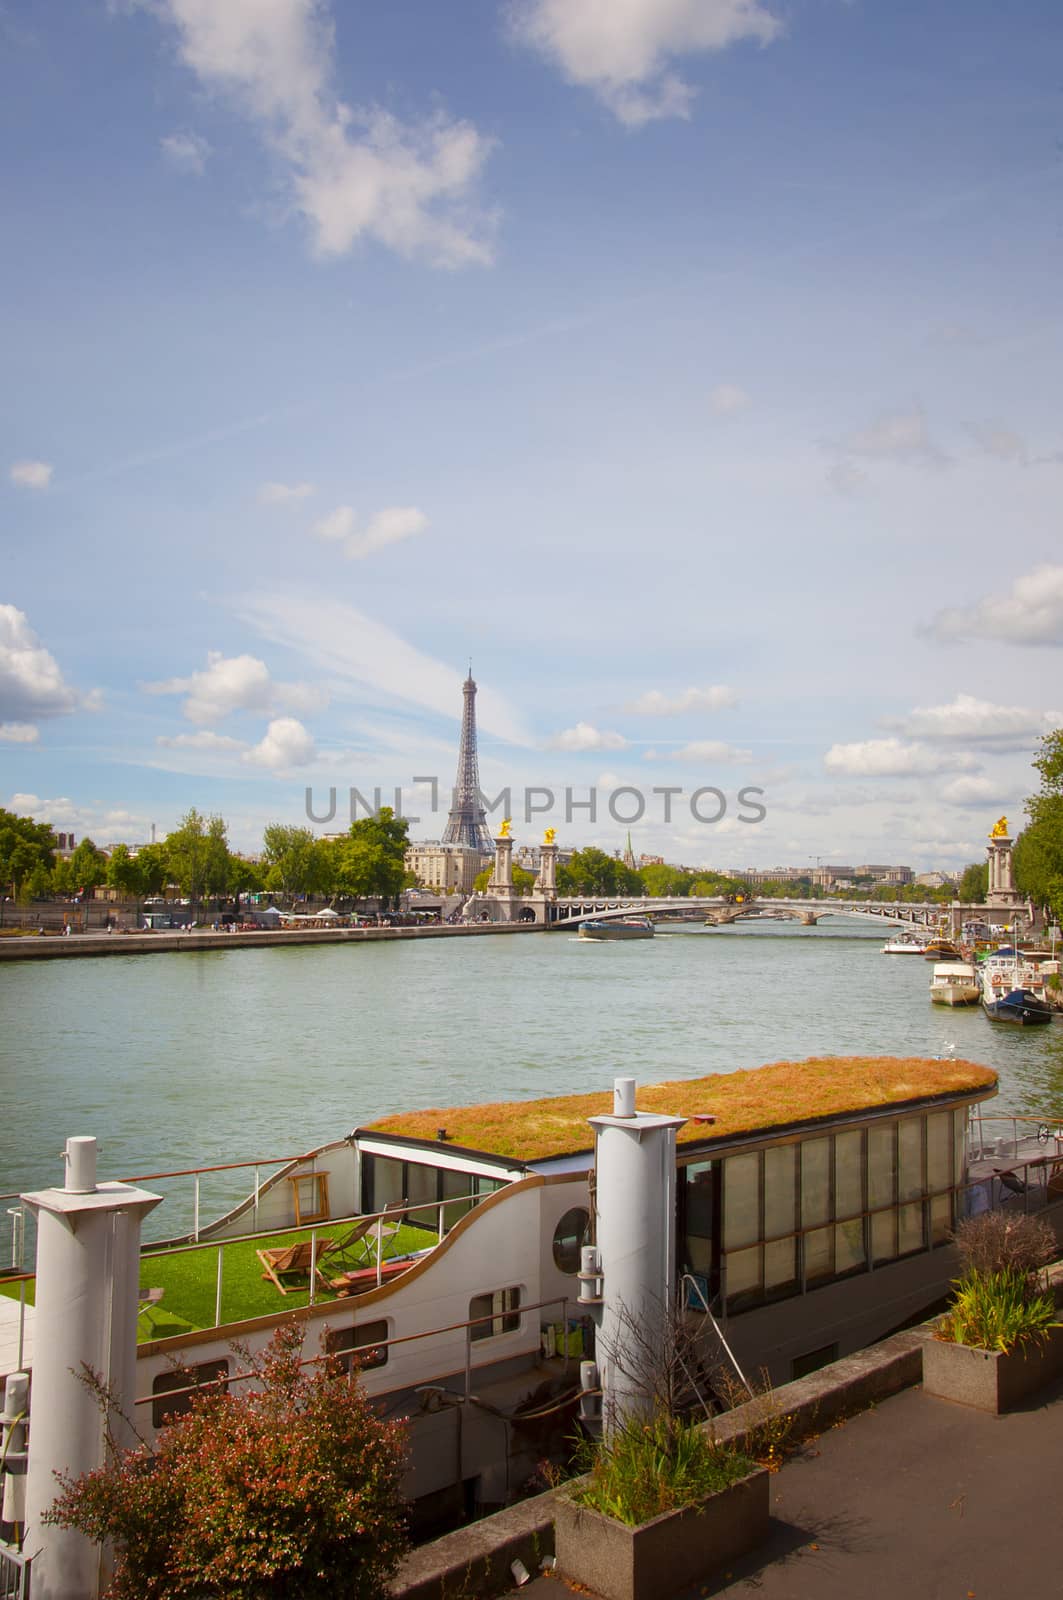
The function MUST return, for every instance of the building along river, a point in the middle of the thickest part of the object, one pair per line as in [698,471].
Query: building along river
[176,1061]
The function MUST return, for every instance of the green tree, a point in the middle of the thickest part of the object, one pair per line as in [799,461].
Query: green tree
[245,877]
[154,868]
[293,859]
[38,886]
[662,881]
[124,872]
[591,871]
[88,866]
[286,1488]
[1038,853]
[23,843]
[974,883]
[523,880]
[371,857]
[198,856]
[62,877]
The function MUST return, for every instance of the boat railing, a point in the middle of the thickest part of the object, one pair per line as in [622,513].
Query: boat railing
[439,1217]
[223,1382]
[998,1134]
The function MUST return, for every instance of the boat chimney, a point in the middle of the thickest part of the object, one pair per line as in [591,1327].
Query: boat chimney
[80,1158]
[624,1097]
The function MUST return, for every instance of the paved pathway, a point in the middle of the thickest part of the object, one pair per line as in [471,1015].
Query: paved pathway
[916,1499]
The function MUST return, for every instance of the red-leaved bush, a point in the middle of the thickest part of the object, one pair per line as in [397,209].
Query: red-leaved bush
[288,1486]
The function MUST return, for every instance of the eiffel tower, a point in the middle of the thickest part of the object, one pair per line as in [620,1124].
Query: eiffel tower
[467,823]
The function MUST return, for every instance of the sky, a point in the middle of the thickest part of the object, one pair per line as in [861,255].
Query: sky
[691,367]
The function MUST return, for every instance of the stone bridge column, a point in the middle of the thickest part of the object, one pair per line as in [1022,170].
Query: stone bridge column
[501,884]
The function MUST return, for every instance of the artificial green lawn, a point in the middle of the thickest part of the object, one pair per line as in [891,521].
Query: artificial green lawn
[188,1279]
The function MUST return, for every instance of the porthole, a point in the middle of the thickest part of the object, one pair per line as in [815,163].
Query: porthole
[570,1236]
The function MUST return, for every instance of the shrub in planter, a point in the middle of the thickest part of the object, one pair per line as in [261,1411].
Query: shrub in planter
[661,1505]
[999,1241]
[287,1488]
[997,1311]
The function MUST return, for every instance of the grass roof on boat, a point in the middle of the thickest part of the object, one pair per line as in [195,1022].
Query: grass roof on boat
[760,1098]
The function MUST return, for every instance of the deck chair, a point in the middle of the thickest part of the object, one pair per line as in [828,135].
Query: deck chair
[293,1260]
[353,1250]
[1010,1182]
[147,1300]
[387,1226]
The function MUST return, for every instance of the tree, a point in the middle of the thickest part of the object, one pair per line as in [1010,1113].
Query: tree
[198,856]
[293,859]
[286,1488]
[974,883]
[38,885]
[591,871]
[1038,853]
[245,877]
[371,858]
[23,843]
[124,872]
[154,868]
[523,880]
[88,866]
[663,881]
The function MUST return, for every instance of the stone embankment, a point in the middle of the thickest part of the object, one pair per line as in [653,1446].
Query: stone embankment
[34,947]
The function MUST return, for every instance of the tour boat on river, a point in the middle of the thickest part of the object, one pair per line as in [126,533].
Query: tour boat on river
[616,928]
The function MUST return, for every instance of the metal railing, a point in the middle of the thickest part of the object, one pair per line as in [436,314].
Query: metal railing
[14,1573]
[387,1344]
[1004,1130]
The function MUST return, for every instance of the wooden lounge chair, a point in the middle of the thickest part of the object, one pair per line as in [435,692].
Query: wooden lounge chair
[293,1260]
[387,1226]
[354,1249]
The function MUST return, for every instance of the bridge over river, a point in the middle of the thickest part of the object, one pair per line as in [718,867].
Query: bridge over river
[721,910]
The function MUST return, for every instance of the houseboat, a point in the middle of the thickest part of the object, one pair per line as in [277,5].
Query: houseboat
[441,1250]
[955,983]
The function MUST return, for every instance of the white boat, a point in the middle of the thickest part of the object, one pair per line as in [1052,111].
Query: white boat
[907,943]
[616,928]
[955,983]
[771,1230]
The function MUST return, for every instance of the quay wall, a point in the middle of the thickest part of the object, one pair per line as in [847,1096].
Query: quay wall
[31,947]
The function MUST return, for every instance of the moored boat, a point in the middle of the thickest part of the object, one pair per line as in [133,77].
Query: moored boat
[907,943]
[1020,1006]
[616,928]
[955,983]
[941,949]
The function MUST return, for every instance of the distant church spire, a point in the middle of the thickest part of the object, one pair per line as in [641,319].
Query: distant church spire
[629,854]
[467,823]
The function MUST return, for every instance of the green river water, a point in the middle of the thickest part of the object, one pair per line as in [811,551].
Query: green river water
[198,1059]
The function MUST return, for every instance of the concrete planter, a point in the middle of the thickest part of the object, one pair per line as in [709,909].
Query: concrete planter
[988,1379]
[661,1557]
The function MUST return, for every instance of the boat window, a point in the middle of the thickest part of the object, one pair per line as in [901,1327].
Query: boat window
[366,1340]
[570,1236]
[780,1266]
[743,1277]
[165,1410]
[819,1255]
[422,1185]
[502,1306]
[815,1182]
[939,1151]
[848,1174]
[780,1191]
[911,1182]
[741,1207]
[850,1248]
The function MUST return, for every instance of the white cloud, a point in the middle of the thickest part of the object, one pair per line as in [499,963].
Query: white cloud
[286,744]
[895,436]
[389,526]
[24,805]
[1031,614]
[19,733]
[279,494]
[622,50]
[846,478]
[31,474]
[892,758]
[236,683]
[585,737]
[186,152]
[979,722]
[31,683]
[353,172]
[726,400]
[972,792]
[713,750]
[714,697]
[994,439]
[204,740]
[349,645]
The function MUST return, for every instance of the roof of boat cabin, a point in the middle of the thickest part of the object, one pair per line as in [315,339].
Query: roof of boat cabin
[760,1099]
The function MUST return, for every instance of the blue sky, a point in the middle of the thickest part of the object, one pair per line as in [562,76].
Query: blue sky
[693,367]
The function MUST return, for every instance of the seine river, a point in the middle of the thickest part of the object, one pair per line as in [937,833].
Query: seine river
[189,1060]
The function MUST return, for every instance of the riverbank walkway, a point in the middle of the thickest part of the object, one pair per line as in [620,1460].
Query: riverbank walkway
[50,947]
[916,1497]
